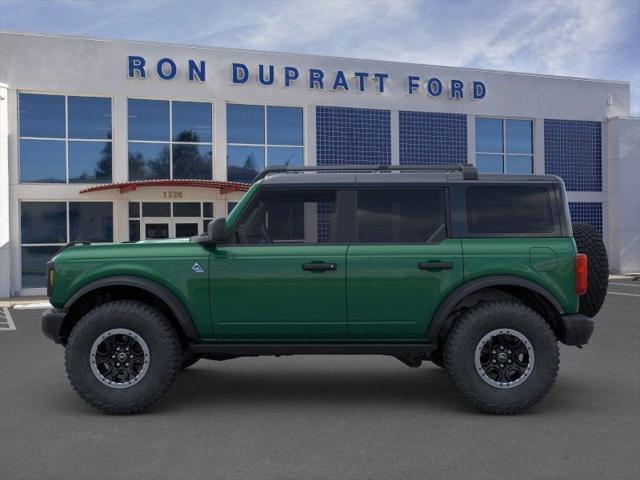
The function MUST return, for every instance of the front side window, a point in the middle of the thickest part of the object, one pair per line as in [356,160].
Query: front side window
[401,216]
[48,226]
[170,140]
[290,217]
[65,139]
[509,210]
[504,145]
[259,136]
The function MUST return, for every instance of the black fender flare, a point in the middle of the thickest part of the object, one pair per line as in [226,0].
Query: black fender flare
[441,323]
[174,303]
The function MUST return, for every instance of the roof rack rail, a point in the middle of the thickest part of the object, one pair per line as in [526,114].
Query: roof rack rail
[469,172]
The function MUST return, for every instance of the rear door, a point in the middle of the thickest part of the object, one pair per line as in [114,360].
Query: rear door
[402,264]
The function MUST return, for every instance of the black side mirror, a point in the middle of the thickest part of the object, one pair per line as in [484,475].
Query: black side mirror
[217,230]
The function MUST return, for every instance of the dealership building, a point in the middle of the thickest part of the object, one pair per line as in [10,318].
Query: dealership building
[114,141]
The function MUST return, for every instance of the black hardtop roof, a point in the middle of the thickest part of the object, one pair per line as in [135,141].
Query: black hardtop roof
[388,175]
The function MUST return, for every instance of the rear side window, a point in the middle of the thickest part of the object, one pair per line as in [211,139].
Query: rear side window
[401,216]
[513,209]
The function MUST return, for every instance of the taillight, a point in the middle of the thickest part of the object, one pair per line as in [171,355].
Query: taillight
[582,275]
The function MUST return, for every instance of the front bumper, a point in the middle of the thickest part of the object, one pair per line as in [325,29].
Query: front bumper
[575,329]
[52,321]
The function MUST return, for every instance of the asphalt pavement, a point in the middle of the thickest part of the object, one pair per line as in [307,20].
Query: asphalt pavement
[326,417]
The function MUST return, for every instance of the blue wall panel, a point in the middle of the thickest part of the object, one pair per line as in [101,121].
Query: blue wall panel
[587,212]
[353,136]
[432,138]
[573,151]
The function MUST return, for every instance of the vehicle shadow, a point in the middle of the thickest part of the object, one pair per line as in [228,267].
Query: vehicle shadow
[207,386]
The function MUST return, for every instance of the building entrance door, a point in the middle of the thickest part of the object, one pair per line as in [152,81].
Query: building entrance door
[159,228]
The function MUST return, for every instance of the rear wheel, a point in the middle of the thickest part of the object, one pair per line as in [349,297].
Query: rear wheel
[122,356]
[589,242]
[502,357]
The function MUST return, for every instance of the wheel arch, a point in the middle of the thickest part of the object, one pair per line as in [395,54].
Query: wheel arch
[532,294]
[134,288]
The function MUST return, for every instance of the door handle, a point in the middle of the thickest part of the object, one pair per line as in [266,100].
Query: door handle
[319,267]
[435,265]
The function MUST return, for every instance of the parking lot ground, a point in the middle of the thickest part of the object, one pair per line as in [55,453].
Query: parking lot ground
[326,417]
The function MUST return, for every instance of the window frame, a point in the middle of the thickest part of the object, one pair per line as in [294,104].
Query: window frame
[66,139]
[170,142]
[504,152]
[265,146]
[140,218]
[447,216]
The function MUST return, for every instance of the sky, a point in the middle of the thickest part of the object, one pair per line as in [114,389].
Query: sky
[579,38]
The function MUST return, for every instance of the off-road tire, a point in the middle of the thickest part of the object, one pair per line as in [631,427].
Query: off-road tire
[463,339]
[188,359]
[589,242]
[165,355]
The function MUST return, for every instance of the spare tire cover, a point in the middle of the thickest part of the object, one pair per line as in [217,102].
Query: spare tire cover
[590,243]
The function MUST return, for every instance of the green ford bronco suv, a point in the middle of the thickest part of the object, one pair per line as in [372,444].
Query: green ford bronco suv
[480,274]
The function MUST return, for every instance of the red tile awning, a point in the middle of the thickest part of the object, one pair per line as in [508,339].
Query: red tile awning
[224,187]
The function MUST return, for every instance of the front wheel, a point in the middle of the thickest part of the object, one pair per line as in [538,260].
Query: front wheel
[502,357]
[122,356]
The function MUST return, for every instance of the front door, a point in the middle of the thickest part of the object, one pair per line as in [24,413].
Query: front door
[285,277]
[402,264]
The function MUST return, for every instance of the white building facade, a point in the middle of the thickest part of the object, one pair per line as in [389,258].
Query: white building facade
[112,141]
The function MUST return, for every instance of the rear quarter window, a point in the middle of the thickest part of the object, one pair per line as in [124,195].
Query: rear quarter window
[509,209]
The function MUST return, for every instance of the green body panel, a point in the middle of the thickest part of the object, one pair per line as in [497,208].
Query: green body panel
[547,262]
[168,263]
[262,292]
[389,297]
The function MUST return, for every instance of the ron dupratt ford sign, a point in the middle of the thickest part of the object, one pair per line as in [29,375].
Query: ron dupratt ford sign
[313,78]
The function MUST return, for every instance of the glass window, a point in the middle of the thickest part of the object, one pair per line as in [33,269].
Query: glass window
[148,119]
[401,216]
[91,221]
[285,156]
[192,161]
[134,210]
[42,115]
[34,265]
[134,230]
[89,162]
[290,217]
[230,207]
[185,152]
[489,135]
[519,164]
[248,152]
[245,124]
[48,161]
[519,136]
[244,163]
[284,126]
[44,222]
[207,209]
[504,146]
[89,117]
[148,160]
[186,209]
[501,209]
[42,161]
[186,230]
[154,231]
[156,209]
[191,122]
